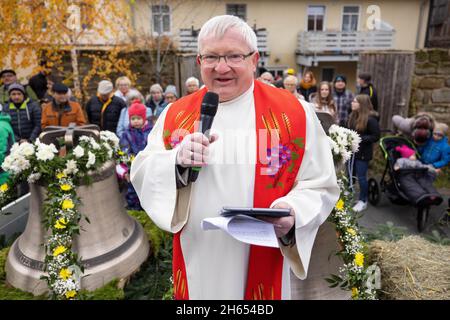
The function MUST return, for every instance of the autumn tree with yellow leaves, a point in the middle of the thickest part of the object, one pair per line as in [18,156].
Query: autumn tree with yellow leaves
[33,30]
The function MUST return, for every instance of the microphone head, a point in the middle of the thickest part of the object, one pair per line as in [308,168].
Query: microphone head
[209,104]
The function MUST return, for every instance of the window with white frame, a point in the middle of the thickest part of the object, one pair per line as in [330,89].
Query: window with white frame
[350,17]
[238,10]
[161,19]
[316,17]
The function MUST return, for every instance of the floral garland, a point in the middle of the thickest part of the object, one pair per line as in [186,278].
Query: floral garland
[37,161]
[355,276]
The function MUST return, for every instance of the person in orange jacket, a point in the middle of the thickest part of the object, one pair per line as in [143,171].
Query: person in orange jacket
[61,111]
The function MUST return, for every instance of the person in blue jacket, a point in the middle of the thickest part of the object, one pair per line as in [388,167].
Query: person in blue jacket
[436,151]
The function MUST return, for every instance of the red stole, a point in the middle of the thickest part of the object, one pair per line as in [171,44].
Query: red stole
[281,118]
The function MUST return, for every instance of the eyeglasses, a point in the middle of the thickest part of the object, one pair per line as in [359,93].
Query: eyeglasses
[232,59]
[438,134]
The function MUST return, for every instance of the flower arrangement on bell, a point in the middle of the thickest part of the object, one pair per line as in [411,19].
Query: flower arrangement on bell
[363,281]
[40,163]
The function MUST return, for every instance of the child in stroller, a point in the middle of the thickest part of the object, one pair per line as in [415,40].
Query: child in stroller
[416,179]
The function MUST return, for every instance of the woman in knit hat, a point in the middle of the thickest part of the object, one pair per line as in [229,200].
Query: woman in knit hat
[170,95]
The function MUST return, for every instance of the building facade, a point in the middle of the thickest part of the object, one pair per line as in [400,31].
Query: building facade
[323,36]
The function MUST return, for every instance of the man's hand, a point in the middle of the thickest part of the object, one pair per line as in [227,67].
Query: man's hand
[193,150]
[284,224]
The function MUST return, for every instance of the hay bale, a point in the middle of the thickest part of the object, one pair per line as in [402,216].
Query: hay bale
[412,268]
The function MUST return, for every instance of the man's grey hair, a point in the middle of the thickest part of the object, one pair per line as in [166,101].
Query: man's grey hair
[132,95]
[192,79]
[267,73]
[219,25]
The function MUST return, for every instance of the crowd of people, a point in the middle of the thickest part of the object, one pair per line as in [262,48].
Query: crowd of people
[28,109]
[359,111]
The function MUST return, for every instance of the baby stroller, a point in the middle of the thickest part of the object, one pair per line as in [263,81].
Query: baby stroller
[389,183]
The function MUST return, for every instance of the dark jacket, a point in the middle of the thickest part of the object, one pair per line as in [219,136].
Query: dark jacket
[38,83]
[368,138]
[372,93]
[307,92]
[25,119]
[157,109]
[110,117]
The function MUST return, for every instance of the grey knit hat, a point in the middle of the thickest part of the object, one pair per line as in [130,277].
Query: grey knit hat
[18,87]
[171,89]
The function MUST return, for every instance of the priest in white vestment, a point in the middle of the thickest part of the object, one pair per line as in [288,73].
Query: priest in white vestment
[216,263]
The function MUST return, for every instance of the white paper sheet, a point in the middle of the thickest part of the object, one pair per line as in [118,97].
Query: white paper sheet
[244,228]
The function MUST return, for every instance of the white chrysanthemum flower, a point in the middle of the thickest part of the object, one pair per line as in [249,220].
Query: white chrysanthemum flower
[26,149]
[34,177]
[94,145]
[109,136]
[91,160]
[46,151]
[78,151]
[71,167]
[85,138]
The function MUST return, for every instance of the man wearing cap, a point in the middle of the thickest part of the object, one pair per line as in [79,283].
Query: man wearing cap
[343,99]
[61,111]
[9,77]
[25,114]
[104,108]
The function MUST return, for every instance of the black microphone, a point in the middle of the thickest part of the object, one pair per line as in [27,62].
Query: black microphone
[208,111]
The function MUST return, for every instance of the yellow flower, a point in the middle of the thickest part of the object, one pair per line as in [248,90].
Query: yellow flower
[66,187]
[131,158]
[59,250]
[359,259]
[65,273]
[340,204]
[71,294]
[67,204]
[61,223]
[60,175]
[4,187]
[120,152]
[355,292]
[351,231]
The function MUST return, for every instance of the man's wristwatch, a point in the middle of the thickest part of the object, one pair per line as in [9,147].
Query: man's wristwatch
[289,238]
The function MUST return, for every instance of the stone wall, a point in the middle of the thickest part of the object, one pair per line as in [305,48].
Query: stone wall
[431,84]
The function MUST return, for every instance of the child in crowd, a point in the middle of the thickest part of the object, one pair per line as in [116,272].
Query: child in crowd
[134,140]
[436,151]
[417,185]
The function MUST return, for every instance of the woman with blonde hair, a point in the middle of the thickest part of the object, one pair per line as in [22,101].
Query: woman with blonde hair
[364,121]
[323,100]
[123,86]
[308,84]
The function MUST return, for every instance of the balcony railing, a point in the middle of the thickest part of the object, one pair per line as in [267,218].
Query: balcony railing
[328,42]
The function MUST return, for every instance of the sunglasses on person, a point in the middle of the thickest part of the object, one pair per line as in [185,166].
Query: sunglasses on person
[438,134]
